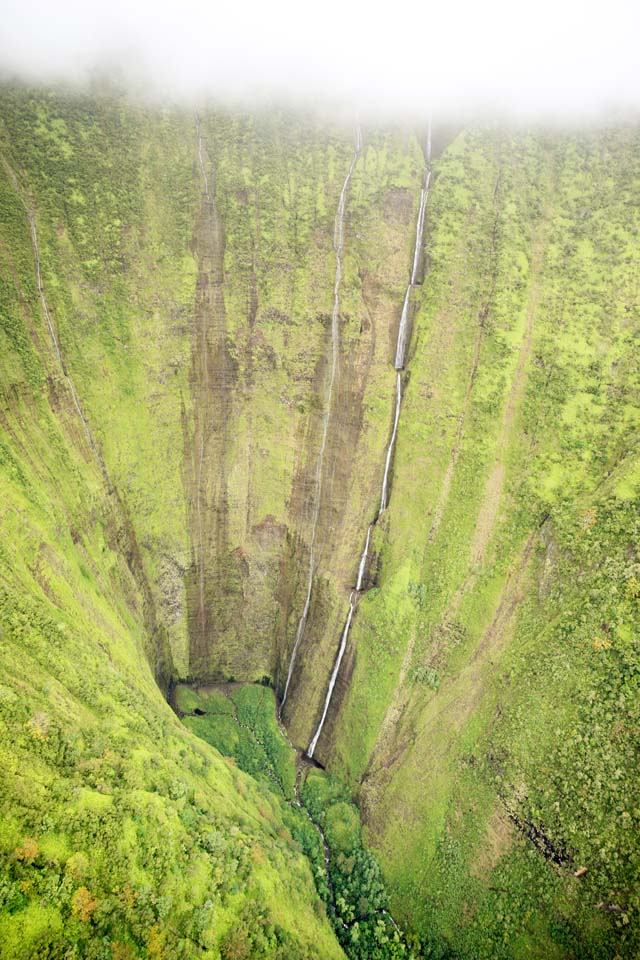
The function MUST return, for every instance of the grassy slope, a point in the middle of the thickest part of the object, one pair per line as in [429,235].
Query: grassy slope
[241,721]
[521,400]
[496,667]
[121,835]
[112,189]
[118,195]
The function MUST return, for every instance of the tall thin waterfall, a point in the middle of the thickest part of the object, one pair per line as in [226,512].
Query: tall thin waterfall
[399,363]
[200,159]
[401,347]
[338,242]
[353,599]
[384,496]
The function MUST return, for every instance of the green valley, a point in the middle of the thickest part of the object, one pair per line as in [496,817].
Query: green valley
[199,315]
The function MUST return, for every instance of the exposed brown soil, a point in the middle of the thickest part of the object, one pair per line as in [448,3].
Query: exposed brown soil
[495,843]
[212,379]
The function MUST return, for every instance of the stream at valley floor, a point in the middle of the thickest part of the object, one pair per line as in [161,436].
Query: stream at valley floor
[241,720]
[244,720]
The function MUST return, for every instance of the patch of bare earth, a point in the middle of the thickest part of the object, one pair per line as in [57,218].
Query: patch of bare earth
[495,843]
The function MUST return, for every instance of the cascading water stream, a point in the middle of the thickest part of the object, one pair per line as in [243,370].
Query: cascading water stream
[399,364]
[384,496]
[200,159]
[401,347]
[338,241]
[343,641]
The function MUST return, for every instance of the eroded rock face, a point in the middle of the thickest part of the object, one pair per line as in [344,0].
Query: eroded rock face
[199,282]
[190,273]
[261,352]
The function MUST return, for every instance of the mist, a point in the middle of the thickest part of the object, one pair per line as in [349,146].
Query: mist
[554,60]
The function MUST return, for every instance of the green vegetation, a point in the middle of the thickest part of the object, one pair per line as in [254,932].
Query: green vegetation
[121,834]
[496,678]
[486,714]
[242,725]
[363,924]
[240,721]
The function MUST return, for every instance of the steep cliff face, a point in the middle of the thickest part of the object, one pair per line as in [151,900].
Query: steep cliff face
[190,269]
[110,189]
[162,428]
[121,835]
[488,721]
[261,360]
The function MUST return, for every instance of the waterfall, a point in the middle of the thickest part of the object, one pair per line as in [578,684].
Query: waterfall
[362,566]
[387,463]
[401,347]
[338,241]
[200,160]
[343,640]
[420,229]
[403,329]
[399,366]
[334,676]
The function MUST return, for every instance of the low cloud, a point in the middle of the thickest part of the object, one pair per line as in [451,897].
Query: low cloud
[553,58]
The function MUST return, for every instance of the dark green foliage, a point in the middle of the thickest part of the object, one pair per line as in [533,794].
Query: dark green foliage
[501,638]
[357,902]
[256,937]
[363,923]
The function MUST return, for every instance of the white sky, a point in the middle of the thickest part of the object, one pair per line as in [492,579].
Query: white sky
[559,58]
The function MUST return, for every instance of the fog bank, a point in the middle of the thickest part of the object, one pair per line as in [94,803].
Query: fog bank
[555,59]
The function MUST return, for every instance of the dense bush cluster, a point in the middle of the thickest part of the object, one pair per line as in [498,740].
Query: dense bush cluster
[241,720]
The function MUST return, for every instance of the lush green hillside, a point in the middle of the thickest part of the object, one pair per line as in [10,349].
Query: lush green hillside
[161,416]
[495,671]
[196,329]
[241,721]
[122,835]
